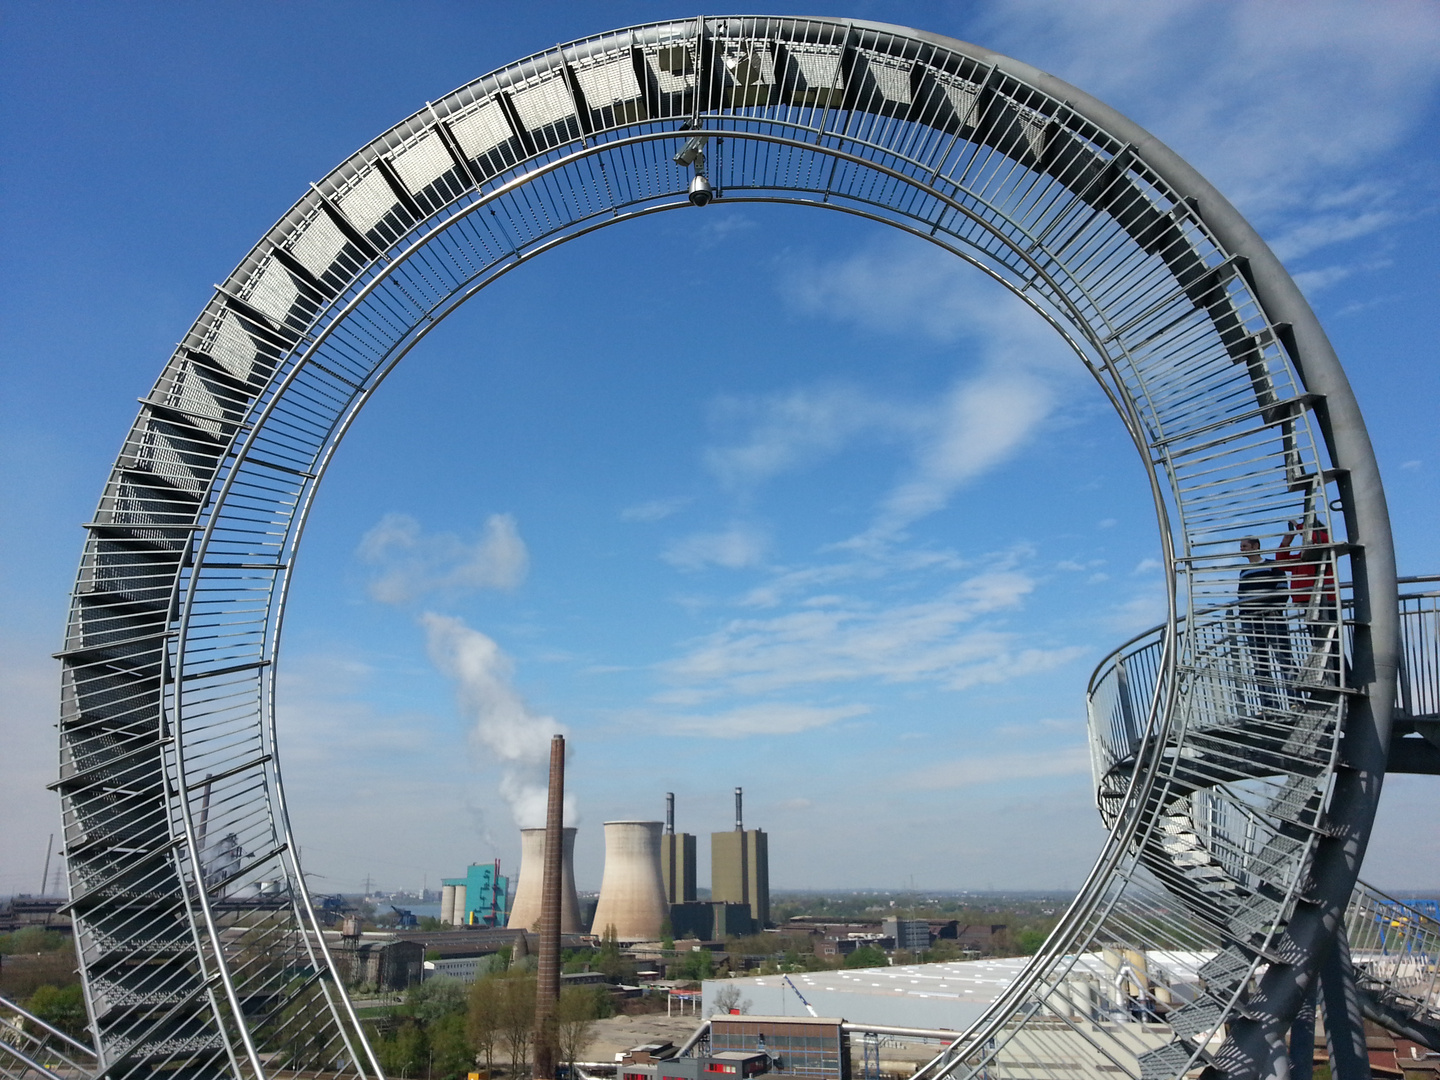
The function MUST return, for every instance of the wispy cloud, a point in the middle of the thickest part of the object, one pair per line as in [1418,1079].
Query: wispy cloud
[409,564]
[1001,768]
[898,287]
[655,509]
[504,723]
[982,423]
[734,548]
[847,639]
[764,718]
[798,427]
[1282,107]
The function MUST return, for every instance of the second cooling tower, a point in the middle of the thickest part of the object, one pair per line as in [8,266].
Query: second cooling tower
[525,912]
[632,893]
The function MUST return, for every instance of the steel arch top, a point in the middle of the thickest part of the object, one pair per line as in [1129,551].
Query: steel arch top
[1237,830]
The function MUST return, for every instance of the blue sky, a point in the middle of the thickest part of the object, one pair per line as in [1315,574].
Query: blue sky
[744,496]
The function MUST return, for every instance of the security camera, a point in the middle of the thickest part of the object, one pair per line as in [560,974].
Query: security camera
[692,151]
[701,192]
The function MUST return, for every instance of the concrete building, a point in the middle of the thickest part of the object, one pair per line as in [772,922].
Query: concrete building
[632,891]
[812,1047]
[725,1065]
[465,968]
[480,898]
[677,859]
[525,912]
[710,921]
[385,965]
[740,868]
[910,934]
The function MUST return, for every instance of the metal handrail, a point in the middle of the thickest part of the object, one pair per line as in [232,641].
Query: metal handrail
[39,1046]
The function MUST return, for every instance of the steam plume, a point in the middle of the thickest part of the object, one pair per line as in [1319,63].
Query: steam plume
[503,723]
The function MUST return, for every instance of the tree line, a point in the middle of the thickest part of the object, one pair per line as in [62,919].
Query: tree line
[446,1028]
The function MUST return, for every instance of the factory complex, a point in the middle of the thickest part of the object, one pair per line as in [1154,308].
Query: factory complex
[648,890]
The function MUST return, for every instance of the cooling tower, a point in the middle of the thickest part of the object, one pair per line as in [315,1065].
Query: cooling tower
[525,912]
[632,893]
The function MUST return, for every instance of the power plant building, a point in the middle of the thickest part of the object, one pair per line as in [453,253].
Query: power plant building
[525,911]
[709,921]
[480,898]
[740,868]
[632,892]
[677,859]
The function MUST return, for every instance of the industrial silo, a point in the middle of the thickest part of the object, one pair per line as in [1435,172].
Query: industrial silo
[632,893]
[525,912]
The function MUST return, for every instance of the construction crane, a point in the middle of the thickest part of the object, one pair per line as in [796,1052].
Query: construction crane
[808,1007]
[404,918]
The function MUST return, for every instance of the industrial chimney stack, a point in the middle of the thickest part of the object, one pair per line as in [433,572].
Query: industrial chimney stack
[740,867]
[547,983]
[677,859]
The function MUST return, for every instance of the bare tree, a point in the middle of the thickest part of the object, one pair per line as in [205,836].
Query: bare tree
[576,1020]
[517,1017]
[728,999]
[484,1021]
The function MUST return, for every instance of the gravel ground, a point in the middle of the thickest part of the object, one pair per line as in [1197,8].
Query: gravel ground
[620,1033]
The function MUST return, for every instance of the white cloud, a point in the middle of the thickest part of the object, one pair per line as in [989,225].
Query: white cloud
[764,718]
[798,427]
[1001,768]
[410,564]
[1280,105]
[654,510]
[982,423]
[1315,281]
[847,639]
[734,548]
[900,288]
[503,722]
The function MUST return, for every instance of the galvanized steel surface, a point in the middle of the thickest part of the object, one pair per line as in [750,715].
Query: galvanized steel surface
[170,770]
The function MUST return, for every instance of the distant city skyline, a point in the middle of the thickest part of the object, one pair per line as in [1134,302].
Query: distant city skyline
[741,496]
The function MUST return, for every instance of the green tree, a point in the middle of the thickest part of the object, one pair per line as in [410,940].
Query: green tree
[696,965]
[32,939]
[407,1053]
[436,998]
[451,1053]
[60,1006]
[866,956]
[483,1021]
[1029,940]
[609,959]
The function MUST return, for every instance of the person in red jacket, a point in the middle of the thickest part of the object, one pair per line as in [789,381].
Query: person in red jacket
[1308,562]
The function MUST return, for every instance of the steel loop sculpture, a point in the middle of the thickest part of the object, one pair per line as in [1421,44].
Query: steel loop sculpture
[1239,804]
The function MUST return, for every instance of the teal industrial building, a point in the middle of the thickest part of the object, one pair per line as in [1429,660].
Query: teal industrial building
[480,898]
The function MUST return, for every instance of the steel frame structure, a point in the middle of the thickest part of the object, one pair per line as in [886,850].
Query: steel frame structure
[173,803]
[1393,973]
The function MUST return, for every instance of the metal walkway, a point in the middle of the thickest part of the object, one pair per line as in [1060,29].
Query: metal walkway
[1395,950]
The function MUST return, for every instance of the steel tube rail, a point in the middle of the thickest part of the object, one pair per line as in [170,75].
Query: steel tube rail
[170,779]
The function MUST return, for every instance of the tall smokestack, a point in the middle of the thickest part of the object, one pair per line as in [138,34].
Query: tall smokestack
[739,817]
[669,814]
[547,985]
